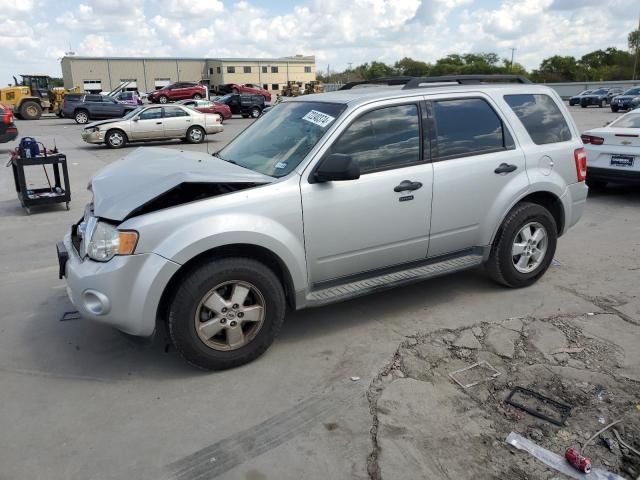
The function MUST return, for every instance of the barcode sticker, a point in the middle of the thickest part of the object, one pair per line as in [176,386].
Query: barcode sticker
[318,118]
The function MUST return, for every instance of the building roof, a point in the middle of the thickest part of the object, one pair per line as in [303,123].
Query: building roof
[292,59]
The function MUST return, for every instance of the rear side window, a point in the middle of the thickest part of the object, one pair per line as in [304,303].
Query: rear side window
[381,139]
[468,126]
[541,117]
[93,98]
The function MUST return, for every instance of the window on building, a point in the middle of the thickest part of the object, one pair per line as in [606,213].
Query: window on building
[541,117]
[307,69]
[274,69]
[264,69]
[218,69]
[468,126]
[381,139]
[275,86]
[246,69]
[210,70]
[231,69]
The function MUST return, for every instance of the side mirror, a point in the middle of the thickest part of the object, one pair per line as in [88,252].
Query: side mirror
[337,167]
[136,119]
[606,124]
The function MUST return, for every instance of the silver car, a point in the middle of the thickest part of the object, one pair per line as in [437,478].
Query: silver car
[153,123]
[328,197]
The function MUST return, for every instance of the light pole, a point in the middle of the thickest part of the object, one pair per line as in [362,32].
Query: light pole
[349,71]
[511,66]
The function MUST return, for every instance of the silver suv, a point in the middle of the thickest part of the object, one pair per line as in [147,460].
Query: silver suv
[326,198]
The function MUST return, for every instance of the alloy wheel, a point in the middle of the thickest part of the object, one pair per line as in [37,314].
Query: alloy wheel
[529,247]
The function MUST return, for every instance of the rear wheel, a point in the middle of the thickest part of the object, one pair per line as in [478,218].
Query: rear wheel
[524,246]
[163,99]
[226,313]
[81,117]
[220,117]
[583,105]
[601,104]
[115,139]
[195,134]
[197,96]
[255,112]
[30,110]
[614,109]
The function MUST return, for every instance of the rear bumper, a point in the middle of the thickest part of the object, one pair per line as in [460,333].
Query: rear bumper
[614,175]
[574,201]
[8,136]
[214,129]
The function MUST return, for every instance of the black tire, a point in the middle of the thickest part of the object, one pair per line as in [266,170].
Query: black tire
[594,184]
[196,134]
[244,115]
[115,138]
[601,104]
[255,112]
[197,96]
[163,99]
[220,117]
[201,280]
[583,105]
[500,265]
[30,110]
[614,109]
[81,116]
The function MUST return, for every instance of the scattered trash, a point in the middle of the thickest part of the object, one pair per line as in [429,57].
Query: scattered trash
[355,379]
[600,394]
[555,262]
[554,460]
[625,445]
[586,444]
[486,370]
[601,420]
[72,315]
[609,443]
[590,314]
[539,406]
[578,461]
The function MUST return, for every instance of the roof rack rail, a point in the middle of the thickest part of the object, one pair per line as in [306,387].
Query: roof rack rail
[378,81]
[416,82]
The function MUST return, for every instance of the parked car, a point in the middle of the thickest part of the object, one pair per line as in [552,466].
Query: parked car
[626,100]
[8,129]
[613,151]
[245,105]
[85,107]
[575,100]
[248,88]
[614,92]
[129,98]
[327,198]
[154,123]
[178,91]
[598,97]
[207,106]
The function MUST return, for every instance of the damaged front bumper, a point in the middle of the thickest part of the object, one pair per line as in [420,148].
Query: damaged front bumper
[95,136]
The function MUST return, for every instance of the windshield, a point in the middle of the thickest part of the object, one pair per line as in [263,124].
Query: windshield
[585,92]
[630,120]
[225,98]
[277,143]
[132,113]
[633,91]
[599,91]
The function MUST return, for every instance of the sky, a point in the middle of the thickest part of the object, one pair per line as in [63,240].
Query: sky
[35,34]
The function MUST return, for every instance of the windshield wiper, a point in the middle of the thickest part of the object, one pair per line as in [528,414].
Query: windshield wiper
[217,155]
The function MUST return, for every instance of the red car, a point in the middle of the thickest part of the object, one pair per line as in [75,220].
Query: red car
[206,106]
[8,130]
[246,88]
[178,91]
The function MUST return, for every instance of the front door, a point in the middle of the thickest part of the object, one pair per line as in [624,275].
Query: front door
[477,172]
[381,219]
[148,125]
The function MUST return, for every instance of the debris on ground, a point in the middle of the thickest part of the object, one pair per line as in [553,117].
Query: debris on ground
[426,426]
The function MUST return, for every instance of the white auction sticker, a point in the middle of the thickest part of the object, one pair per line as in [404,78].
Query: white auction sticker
[319,118]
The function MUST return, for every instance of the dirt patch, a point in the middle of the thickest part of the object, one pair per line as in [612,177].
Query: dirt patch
[429,427]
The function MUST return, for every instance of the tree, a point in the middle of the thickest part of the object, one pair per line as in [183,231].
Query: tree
[558,69]
[413,68]
[634,40]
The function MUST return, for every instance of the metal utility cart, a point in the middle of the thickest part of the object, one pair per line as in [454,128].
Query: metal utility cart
[53,193]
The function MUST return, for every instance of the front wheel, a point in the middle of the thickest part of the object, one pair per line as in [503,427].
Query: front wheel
[524,246]
[163,99]
[115,139]
[614,109]
[195,135]
[197,96]
[226,313]
[82,117]
[255,112]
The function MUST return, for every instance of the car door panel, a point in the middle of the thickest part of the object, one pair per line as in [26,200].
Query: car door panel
[477,171]
[149,125]
[176,121]
[366,224]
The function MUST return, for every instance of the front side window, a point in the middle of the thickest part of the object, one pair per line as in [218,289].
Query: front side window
[468,126]
[384,138]
[151,114]
[541,117]
[276,143]
[171,112]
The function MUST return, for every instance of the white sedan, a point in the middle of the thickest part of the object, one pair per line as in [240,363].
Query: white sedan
[154,122]
[613,151]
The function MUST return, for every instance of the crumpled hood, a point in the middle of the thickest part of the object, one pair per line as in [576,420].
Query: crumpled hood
[148,172]
[102,122]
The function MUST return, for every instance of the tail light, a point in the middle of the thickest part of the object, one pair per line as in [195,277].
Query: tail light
[580,156]
[592,140]
[7,117]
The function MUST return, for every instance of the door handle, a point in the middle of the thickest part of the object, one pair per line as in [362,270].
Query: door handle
[407,185]
[505,168]
[158,123]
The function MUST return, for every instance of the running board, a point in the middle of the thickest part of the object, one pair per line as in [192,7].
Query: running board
[365,286]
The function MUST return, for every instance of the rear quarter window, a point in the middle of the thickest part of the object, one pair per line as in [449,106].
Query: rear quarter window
[541,117]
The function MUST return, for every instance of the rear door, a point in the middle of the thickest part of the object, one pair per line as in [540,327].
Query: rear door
[477,171]
[176,121]
[148,125]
